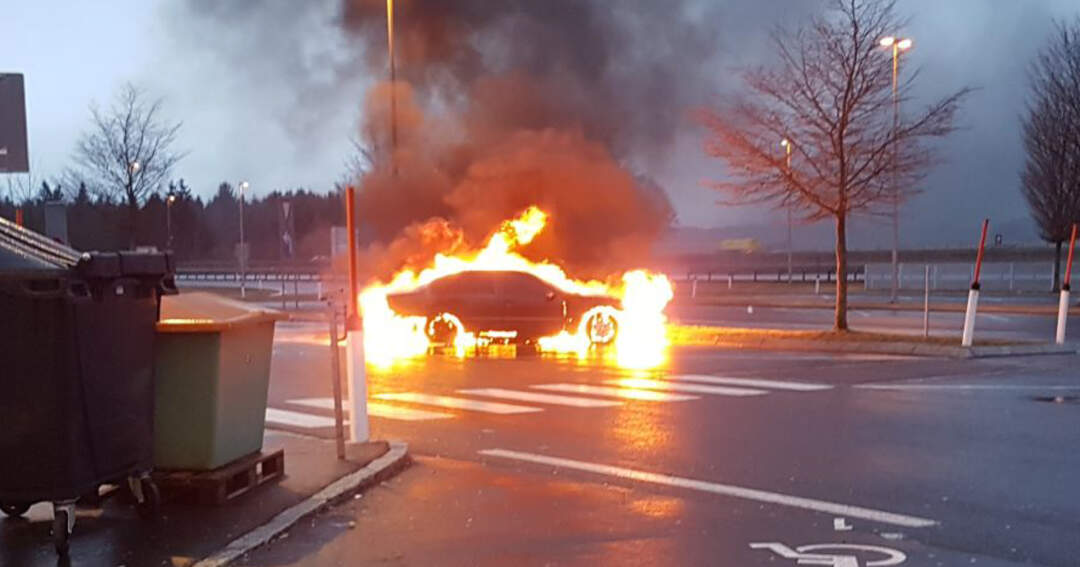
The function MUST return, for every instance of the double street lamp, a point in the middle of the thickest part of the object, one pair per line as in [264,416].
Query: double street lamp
[898,46]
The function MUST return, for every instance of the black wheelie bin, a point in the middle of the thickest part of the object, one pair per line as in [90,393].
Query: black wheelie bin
[76,373]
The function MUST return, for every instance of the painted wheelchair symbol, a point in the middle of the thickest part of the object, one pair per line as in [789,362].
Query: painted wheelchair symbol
[836,554]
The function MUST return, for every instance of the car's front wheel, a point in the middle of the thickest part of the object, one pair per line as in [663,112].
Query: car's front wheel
[443,329]
[602,328]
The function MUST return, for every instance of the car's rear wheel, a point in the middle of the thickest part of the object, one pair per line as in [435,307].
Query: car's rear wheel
[601,328]
[443,329]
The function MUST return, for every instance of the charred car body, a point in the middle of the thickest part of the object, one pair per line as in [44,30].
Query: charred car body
[506,305]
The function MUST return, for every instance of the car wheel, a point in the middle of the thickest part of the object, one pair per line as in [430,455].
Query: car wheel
[14,509]
[443,329]
[602,328]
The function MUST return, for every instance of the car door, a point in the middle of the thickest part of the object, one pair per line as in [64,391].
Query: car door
[532,307]
[471,297]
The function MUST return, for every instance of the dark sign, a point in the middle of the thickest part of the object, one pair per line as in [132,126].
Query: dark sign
[13,154]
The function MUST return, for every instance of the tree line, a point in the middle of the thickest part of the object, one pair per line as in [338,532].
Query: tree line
[201,230]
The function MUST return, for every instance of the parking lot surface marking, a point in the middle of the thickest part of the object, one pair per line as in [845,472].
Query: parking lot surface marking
[751,382]
[680,387]
[540,398]
[457,403]
[811,504]
[625,393]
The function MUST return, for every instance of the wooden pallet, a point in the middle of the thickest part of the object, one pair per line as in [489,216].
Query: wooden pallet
[223,484]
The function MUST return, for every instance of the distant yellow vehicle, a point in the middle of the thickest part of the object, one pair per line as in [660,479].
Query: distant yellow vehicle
[744,245]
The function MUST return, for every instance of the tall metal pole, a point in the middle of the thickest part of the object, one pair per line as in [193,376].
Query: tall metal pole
[168,221]
[896,188]
[789,239]
[243,250]
[393,84]
[787,170]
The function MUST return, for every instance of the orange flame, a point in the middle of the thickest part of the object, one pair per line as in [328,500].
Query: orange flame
[640,343]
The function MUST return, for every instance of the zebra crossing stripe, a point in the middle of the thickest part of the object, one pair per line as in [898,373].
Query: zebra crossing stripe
[457,403]
[297,419]
[750,382]
[692,388]
[375,409]
[540,398]
[625,393]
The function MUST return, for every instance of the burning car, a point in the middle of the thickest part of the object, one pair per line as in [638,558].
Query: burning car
[506,305]
[494,294]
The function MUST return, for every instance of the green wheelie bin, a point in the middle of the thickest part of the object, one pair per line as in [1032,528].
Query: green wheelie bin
[212,373]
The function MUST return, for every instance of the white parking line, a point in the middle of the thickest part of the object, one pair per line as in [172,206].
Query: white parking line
[541,398]
[457,403]
[1003,387]
[680,387]
[751,382]
[375,409]
[297,419]
[625,393]
[821,506]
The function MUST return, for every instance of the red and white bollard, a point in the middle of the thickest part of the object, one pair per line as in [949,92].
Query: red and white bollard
[1063,304]
[973,294]
[359,431]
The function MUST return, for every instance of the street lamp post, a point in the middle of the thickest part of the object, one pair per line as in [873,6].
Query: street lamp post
[393,83]
[169,201]
[242,253]
[897,45]
[787,151]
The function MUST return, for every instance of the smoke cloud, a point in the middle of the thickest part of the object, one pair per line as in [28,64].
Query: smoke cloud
[502,105]
[498,104]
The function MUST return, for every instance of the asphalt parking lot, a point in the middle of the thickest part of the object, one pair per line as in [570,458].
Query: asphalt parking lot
[712,458]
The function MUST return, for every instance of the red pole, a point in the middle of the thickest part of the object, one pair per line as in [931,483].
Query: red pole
[350,225]
[19,217]
[979,258]
[1068,264]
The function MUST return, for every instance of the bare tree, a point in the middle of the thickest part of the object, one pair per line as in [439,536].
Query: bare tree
[1051,176]
[21,187]
[127,153]
[831,97]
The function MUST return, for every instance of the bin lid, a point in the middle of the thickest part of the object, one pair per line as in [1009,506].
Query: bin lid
[23,247]
[143,263]
[201,312]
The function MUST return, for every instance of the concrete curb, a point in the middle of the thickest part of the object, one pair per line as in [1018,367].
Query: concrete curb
[898,348]
[394,461]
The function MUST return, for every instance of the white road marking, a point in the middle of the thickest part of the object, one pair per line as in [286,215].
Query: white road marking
[991,387]
[297,419]
[680,387]
[841,525]
[539,398]
[625,393]
[457,403]
[821,506]
[751,382]
[375,409]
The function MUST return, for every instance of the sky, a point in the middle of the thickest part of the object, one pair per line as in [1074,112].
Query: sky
[241,120]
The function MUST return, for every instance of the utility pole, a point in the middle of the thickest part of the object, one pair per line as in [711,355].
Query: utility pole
[787,151]
[898,46]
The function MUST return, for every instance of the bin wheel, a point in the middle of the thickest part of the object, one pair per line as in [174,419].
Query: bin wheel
[92,498]
[61,534]
[14,510]
[150,506]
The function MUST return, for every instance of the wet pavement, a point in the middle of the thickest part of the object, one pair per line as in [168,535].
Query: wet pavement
[112,534]
[713,458]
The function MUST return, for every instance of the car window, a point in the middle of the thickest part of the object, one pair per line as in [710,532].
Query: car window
[524,285]
[467,283]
